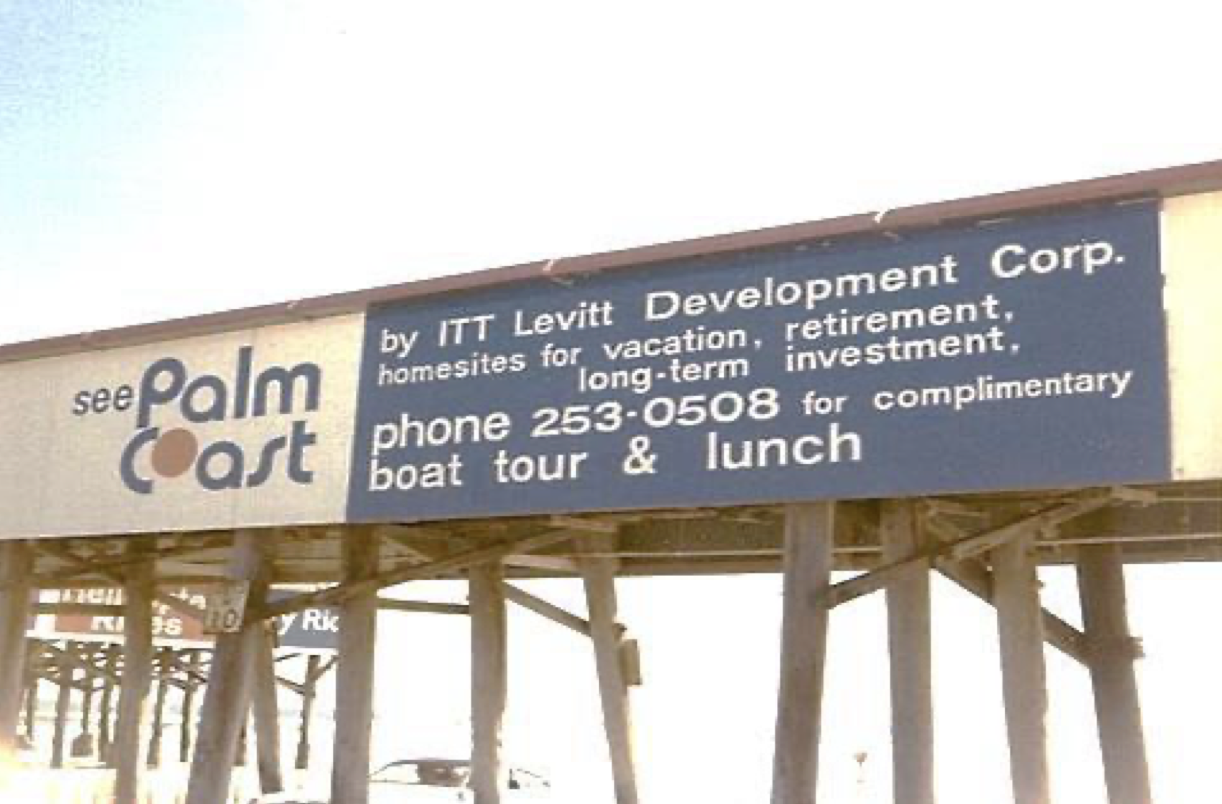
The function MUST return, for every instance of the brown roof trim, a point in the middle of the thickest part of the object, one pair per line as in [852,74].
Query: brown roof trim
[1160,183]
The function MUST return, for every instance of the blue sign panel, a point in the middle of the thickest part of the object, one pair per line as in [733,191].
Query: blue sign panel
[1020,354]
[313,629]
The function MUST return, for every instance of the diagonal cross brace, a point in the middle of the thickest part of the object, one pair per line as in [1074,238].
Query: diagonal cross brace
[545,609]
[954,561]
[334,595]
[977,579]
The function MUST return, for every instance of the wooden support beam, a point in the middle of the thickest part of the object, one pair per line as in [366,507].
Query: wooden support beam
[975,578]
[909,642]
[598,575]
[1112,653]
[1049,518]
[84,745]
[230,677]
[132,723]
[106,707]
[421,606]
[397,542]
[159,699]
[964,547]
[809,536]
[874,580]
[190,684]
[556,564]
[1024,685]
[63,700]
[415,572]
[266,712]
[327,667]
[309,691]
[489,682]
[541,607]
[243,739]
[31,709]
[289,684]
[354,678]
[16,568]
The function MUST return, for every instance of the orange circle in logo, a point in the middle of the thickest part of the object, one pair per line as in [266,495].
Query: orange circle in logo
[174,452]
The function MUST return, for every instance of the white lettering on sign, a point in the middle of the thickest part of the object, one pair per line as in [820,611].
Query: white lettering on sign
[320,620]
[1015,260]
[873,366]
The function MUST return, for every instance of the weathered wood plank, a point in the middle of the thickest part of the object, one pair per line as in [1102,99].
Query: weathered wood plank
[909,641]
[159,700]
[355,675]
[190,684]
[16,568]
[874,580]
[809,535]
[421,606]
[1040,521]
[31,709]
[106,707]
[230,677]
[309,692]
[266,712]
[545,609]
[975,578]
[132,721]
[85,744]
[489,681]
[63,700]
[1024,684]
[1112,653]
[598,575]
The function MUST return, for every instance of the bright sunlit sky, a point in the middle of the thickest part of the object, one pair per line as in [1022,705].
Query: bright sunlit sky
[160,159]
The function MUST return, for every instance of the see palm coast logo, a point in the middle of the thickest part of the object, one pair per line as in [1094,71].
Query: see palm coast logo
[169,390]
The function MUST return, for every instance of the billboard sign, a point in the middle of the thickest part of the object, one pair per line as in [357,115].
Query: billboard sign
[314,629]
[1059,350]
[311,630]
[1025,354]
[244,428]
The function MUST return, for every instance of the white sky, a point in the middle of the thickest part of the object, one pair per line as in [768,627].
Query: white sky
[164,159]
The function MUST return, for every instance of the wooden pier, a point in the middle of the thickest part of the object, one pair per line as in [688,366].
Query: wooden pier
[989,544]
[108,489]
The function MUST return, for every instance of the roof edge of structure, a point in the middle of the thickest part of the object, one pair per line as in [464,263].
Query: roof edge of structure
[1156,183]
